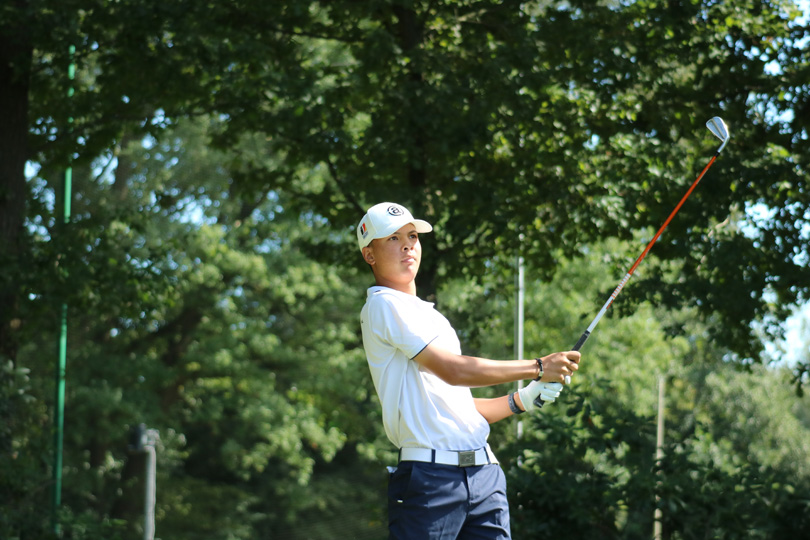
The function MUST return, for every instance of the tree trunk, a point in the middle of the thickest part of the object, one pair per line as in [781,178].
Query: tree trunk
[16,53]
[410,34]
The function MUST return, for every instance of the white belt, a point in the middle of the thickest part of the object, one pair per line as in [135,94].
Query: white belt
[471,458]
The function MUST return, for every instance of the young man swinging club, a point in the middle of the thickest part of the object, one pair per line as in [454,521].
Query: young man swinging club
[448,484]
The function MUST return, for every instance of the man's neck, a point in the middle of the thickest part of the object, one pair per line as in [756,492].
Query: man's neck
[407,288]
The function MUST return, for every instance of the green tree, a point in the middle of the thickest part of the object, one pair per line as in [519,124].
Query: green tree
[736,443]
[223,151]
[202,319]
[509,111]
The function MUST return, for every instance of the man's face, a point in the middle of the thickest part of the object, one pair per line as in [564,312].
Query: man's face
[395,259]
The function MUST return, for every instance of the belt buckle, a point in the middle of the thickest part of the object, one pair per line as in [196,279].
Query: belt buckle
[466,458]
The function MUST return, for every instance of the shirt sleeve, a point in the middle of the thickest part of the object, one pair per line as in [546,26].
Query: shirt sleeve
[401,325]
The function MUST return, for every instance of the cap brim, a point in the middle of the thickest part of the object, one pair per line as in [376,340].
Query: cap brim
[420,225]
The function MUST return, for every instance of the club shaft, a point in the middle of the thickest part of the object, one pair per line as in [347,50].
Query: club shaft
[584,337]
[718,130]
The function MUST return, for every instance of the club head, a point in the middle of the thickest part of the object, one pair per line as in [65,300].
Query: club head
[719,130]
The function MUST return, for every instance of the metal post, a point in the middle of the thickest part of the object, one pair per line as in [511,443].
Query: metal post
[519,300]
[659,457]
[59,413]
[142,440]
[152,437]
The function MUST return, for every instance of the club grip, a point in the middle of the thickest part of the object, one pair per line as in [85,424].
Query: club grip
[582,339]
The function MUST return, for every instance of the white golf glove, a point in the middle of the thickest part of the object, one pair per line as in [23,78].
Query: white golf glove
[548,392]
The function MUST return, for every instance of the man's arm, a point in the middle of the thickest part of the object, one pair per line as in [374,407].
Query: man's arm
[470,371]
[493,409]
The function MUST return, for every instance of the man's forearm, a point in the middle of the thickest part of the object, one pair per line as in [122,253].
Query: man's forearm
[471,371]
[493,409]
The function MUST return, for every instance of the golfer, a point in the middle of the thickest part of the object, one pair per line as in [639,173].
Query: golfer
[448,483]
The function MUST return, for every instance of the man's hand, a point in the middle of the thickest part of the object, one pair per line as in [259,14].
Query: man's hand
[548,392]
[558,366]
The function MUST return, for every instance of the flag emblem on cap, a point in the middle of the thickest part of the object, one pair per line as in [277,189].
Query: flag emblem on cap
[363,230]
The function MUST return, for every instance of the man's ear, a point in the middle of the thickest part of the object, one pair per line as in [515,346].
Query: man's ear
[368,255]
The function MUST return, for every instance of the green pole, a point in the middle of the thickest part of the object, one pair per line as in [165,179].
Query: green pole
[59,416]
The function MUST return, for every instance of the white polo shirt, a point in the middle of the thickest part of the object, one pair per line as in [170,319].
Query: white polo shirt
[419,409]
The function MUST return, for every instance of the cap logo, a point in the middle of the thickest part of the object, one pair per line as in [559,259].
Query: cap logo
[363,230]
[395,211]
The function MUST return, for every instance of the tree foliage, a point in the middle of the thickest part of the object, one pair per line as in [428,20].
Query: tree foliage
[585,466]
[221,154]
[558,121]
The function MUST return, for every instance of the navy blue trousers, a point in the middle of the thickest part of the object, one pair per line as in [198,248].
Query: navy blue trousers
[427,501]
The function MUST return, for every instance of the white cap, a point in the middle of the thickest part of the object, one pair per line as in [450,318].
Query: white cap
[385,219]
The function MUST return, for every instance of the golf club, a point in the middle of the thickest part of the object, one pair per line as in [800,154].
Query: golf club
[719,130]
